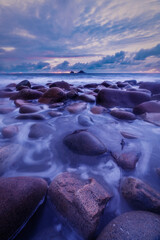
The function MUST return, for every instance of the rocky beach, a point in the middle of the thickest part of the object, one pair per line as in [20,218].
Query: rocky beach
[80,161]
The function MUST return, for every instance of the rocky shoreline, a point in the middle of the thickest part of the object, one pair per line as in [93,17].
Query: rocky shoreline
[85,150]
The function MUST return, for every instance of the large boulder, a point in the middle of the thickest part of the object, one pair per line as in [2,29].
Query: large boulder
[140,194]
[61,84]
[154,87]
[24,83]
[114,97]
[29,108]
[135,225]
[80,201]
[53,95]
[27,94]
[84,143]
[149,107]
[87,98]
[19,198]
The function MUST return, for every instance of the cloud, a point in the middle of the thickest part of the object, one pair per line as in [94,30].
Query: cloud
[144,53]
[28,67]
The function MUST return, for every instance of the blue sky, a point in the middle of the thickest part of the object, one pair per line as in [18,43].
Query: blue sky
[65,35]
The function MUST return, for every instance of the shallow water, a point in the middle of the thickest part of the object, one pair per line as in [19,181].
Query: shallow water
[47,157]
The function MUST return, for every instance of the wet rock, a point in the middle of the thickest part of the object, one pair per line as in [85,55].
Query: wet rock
[114,97]
[106,84]
[131,82]
[55,113]
[20,102]
[122,84]
[84,143]
[28,108]
[53,95]
[72,94]
[19,198]
[39,130]
[129,135]
[24,83]
[27,94]
[76,107]
[135,225]
[154,87]
[127,160]
[140,194]
[12,85]
[80,201]
[84,120]
[124,115]
[98,110]
[7,154]
[152,118]
[87,98]
[31,116]
[9,131]
[6,110]
[150,107]
[61,84]
[6,94]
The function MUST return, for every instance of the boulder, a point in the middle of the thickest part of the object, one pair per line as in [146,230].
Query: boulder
[72,94]
[24,83]
[39,130]
[152,118]
[87,98]
[98,110]
[76,107]
[61,84]
[114,97]
[84,143]
[149,107]
[135,225]
[9,131]
[19,198]
[27,94]
[28,108]
[20,102]
[154,87]
[126,160]
[6,94]
[91,85]
[80,201]
[53,95]
[140,194]
[123,115]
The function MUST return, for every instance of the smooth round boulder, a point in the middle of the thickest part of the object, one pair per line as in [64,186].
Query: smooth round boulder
[84,120]
[123,115]
[19,198]
[28,108]
[149,107]
[55,94]
[154,87]
[87,98]
[126,160]
[76,107]
[98,110]
[39,130]
[113,97]
[84,143]
[134,225]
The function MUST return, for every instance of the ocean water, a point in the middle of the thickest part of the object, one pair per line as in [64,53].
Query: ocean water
[47,157]
[77,79]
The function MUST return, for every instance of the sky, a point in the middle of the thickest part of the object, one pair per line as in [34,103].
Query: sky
[92,35]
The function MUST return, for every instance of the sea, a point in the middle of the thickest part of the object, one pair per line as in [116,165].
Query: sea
[76,79]
[47,157]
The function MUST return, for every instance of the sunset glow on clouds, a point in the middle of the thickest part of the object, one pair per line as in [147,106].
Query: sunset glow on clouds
[64,35]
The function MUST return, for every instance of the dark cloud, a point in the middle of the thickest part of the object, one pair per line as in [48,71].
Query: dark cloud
[144,53]
[28,67]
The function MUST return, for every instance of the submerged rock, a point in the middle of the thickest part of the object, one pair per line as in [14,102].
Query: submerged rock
[114,97]
[9,131]
[135,225]
[84,143]
[27,94]
[149,107]
[28,108]
[140,194]
[32,116]
[19,198]
[76,107]
[80,201]
[85,120]
[123,115]
[39,130]
[87,97]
